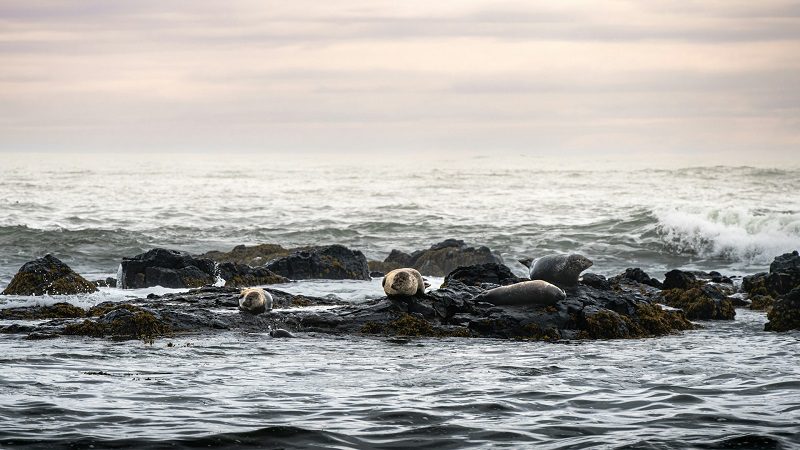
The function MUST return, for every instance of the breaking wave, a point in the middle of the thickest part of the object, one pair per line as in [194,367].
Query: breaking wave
[751,237]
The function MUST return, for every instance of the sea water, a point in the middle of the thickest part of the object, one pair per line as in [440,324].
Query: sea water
[728,385]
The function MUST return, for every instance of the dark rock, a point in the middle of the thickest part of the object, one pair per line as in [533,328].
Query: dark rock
[785,312]
[639,276]
[108,282]
[596,281]
[167,268]
[242,275]
[334,262]
[376,274]
[47,276]
[59,310]
[123,322]
[783,276]
[256,255]
[678,279]
[439,260]
[706,302]
[477,274]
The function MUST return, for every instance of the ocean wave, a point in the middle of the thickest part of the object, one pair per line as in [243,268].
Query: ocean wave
[749,236]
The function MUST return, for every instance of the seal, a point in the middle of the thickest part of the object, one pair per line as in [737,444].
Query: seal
[404,282]
[255,300]
[525,293]
[561,270]
[280,333]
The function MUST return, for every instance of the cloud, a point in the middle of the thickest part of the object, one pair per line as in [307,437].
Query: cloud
[367,75]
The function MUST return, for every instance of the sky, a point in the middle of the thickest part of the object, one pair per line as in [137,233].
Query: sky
[656,77]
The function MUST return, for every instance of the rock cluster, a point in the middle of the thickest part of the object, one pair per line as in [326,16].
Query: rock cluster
[167,268]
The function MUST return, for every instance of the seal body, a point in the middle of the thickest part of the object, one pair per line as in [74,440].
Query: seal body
[526,293]
[255,300]
[561,270]
[404,282]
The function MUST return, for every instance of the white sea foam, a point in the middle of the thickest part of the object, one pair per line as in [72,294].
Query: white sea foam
[85,301]
[734,234]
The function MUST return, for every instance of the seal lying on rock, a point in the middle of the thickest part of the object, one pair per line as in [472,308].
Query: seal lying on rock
[536,292]
[255,300]
[561,270]
[404,282]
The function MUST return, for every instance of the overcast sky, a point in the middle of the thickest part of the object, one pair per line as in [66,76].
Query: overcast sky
[550,77]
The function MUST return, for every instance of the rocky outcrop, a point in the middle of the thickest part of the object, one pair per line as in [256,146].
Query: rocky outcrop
[334,262]
[242,275]
[783,276]
[704,302]
[456,310]
[256,255]
[478,274]
[47,276]
[439,260]
[678,279]
[637,275]
[785,312]
[167,268]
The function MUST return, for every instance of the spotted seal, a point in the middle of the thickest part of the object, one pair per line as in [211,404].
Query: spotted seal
[525,293]
[255,300]
[404,282]
[561,270]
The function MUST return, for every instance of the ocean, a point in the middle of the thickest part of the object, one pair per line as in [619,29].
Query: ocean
[728,385]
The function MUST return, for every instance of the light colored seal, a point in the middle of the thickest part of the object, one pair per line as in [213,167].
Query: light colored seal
[404,282]
[525,293]
[255,300]
[561,270]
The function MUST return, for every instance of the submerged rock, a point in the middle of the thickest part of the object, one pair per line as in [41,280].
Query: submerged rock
[785,312]
[167,268]
[335,262]
[439,260]
[48,276]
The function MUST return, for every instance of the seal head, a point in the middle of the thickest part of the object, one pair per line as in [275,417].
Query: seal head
[255,300]
[404,281]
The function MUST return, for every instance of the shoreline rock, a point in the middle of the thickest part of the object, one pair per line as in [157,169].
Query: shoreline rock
[166,268]
[47,276]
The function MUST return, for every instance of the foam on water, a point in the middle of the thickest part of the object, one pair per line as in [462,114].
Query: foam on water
[734,234]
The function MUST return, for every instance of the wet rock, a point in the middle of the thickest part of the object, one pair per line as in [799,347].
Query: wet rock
[596,281]
[280,333]
[334,262]
[439,260]
[255,255]
[785,312]
[47,276]
[783,276]
[242,275]
[59,310]
[678,279]
[123,322]
[167,268]
[108,282]
[475,275]
[639,276]
[706,302]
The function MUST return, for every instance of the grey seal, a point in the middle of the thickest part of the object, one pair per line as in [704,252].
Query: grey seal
[255,300]
[536,292]
[404,282]
[280,333]
[561,270]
